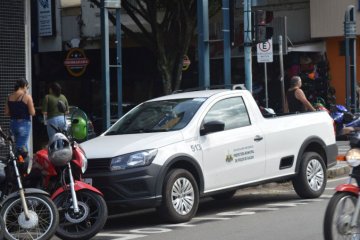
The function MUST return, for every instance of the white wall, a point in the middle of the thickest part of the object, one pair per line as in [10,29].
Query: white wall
[327,17]
[298,24]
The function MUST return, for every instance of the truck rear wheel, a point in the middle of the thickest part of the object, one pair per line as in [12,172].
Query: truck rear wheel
[311,179]
[180,196]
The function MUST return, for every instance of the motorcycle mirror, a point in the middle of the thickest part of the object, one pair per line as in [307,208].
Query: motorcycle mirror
[11,136]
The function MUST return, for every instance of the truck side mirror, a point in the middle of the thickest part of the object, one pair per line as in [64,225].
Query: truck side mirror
[212,126]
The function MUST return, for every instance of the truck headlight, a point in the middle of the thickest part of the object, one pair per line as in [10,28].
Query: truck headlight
[353,157]
[131,160]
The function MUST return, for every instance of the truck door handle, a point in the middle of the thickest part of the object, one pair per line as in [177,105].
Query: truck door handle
[258,138]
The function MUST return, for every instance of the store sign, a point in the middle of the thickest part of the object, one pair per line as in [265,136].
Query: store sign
[76,62]
[46,18]
[265,51]
[112,3]
[186,63]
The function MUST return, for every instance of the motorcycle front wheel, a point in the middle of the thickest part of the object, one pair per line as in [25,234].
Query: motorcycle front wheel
[338,216]
[43,218]
[90,219]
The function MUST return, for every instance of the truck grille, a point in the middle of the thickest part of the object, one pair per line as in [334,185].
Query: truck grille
[98,165]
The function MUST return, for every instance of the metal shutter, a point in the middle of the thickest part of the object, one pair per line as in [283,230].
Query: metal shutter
[12,51]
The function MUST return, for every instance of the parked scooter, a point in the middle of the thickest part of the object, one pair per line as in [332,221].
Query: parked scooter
[343,211]
[82,208]
[343,119]
[28,213]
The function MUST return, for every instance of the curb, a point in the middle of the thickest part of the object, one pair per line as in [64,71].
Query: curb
[341,168]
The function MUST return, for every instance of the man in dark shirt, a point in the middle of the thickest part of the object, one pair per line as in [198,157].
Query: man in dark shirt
[296,99]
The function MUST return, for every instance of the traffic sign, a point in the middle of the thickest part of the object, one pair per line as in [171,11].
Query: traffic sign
[265,51]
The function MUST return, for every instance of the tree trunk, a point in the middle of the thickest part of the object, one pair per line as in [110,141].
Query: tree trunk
[165,72]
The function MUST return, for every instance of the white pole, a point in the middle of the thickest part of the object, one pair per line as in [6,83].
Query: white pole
[282,72]
[266,86]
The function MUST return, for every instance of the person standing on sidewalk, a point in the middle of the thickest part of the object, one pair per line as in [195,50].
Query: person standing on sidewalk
[50,110]
[20,108]
[296,100]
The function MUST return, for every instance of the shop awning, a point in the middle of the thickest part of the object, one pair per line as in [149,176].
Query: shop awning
[308,47]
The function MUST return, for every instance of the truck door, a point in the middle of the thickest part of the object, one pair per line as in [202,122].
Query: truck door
[236,154]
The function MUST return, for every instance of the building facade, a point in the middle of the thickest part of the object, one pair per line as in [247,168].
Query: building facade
[15,49]
[30,49]
[327,23]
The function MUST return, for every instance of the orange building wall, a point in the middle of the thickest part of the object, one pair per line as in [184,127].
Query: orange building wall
[337,67]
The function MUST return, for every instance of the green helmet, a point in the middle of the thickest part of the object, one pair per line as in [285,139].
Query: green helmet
[78,128]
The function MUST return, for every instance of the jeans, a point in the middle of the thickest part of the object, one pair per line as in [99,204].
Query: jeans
[21,130]
[58,122]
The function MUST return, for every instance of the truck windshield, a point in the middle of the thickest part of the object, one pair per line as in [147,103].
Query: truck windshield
[157,116]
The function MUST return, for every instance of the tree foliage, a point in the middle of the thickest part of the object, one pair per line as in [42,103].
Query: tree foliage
[167,28]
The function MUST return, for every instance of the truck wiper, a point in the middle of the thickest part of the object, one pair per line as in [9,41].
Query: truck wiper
[156,130]
[146,130]
[142,130]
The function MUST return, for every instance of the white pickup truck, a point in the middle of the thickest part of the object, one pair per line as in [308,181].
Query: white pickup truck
[170,151]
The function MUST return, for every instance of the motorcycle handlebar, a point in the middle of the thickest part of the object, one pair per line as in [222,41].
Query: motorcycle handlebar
[63,131]
[59,130]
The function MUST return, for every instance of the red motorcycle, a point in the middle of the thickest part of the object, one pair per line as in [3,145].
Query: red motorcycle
[342,213]
[82,208]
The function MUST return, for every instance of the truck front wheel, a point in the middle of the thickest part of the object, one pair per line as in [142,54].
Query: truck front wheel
[180,196]
[311,179]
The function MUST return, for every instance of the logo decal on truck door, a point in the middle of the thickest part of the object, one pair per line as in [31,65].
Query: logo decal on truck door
[229,157]
[241,154]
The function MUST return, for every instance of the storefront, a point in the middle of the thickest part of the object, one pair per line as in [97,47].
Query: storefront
[310,62]
[335,48]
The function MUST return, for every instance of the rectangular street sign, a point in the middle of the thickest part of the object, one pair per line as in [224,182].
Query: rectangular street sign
[265,51]
[112,3]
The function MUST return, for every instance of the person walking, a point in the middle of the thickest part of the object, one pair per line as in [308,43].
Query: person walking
[50,110]
[296,99]
[20,108]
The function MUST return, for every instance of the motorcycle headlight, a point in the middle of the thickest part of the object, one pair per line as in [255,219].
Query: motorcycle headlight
[84,160]
[84,165]
[131,160]
[353,157]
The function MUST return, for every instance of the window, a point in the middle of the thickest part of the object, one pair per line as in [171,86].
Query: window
[231,111]
[158,116]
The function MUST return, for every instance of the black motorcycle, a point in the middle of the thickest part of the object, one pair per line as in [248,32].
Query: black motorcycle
[28,213]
